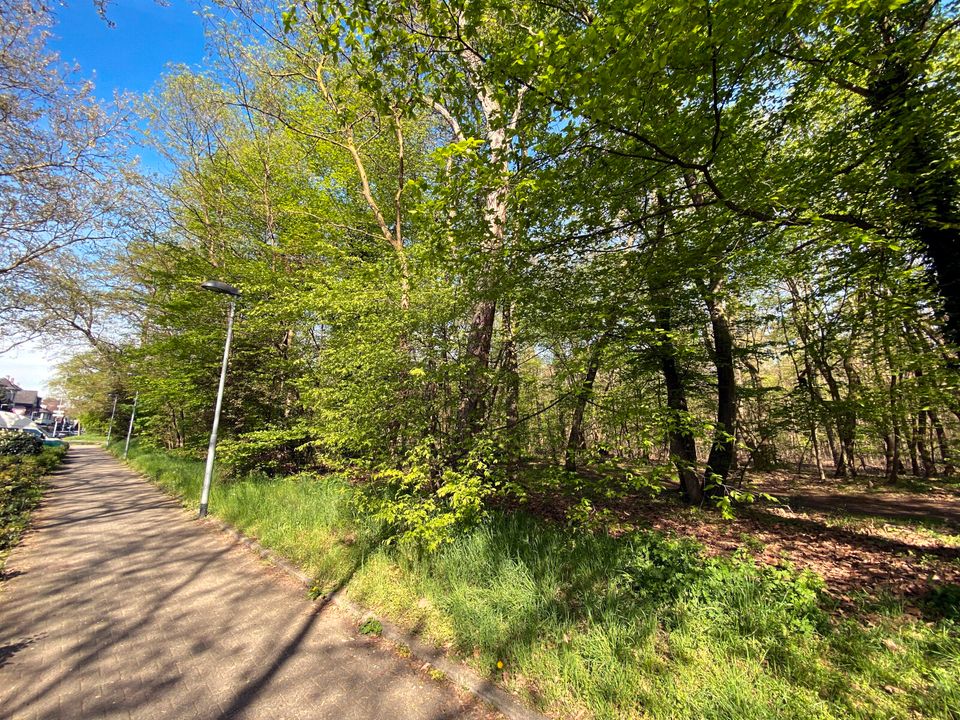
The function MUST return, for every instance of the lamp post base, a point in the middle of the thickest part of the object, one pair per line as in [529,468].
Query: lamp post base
[203,510]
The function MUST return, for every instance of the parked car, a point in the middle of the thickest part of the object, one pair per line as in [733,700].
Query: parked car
[47,440]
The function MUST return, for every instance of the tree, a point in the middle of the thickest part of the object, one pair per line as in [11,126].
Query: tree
[60,184]
[490,236]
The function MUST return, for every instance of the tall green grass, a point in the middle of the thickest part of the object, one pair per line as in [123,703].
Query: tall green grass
[586,625]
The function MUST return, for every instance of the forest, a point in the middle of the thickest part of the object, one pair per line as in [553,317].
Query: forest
[531,268]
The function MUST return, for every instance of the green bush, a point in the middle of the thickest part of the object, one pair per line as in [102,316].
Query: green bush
[426,507]
[659,570]
[14,442]
[19,494]
[21,487]
[273,451]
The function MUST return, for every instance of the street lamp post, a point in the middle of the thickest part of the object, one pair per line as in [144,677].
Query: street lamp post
[224,288]
[112,415]
[133,415]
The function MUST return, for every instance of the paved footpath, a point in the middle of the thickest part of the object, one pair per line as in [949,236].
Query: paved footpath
[119,605]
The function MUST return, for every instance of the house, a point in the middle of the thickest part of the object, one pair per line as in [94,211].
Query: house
[54,406]
[18,400]
[8,388]
[26,402]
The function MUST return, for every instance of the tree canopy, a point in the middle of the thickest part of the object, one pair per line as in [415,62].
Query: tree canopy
[679,240]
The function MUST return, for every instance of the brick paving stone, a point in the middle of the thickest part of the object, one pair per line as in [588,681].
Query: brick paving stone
[120,605]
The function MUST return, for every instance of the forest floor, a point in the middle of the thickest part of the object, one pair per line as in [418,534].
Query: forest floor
[863,537]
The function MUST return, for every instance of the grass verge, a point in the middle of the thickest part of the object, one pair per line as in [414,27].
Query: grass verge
[87,439]
[21,488]
[589,626]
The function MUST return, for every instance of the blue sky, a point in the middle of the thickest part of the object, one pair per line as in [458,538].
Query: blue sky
[146,38]
[131,56]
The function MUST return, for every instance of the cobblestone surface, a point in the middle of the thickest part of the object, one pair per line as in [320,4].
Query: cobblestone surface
[120,605]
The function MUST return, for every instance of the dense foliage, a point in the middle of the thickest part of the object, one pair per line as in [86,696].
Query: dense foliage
[683,239]
[13,442]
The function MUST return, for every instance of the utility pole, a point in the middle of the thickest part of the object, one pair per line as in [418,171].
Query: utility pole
[112,414]
[133,414]
[224,289]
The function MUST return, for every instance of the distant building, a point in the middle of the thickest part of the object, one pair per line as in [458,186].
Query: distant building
[26,402]
[8,388]
[54,405]
[17,400]
[51,415]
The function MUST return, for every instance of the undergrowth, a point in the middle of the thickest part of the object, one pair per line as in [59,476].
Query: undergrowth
[21,489]
[586,625]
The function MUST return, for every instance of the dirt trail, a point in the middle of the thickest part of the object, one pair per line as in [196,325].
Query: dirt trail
[892,504]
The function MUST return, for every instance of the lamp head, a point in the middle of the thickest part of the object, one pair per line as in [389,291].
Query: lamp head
[220,287]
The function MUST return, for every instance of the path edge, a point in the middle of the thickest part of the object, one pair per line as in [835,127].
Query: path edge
[504,702]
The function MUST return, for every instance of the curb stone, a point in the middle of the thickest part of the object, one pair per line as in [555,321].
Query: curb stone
[456,671]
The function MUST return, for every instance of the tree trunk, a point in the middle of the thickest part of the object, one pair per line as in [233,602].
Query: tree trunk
[472,396]
[926,457]
[838,462]
[854,385]
[498,129]
[888,454]
[912,448]
[683,446]
[815,444]
[942,442]
[576,440]
[843,453]
[511,380]
[893,452]
[480,336]
[724,447]
[815,401]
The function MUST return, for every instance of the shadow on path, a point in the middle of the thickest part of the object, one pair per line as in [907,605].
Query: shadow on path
[121,606]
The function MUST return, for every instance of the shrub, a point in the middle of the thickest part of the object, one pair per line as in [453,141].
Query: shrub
[425,506]
[660,570]
[14,442]
[273,451]
[21,487]
[736,595]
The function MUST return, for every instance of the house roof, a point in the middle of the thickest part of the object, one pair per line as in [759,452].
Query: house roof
[8,384]
[26,397]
